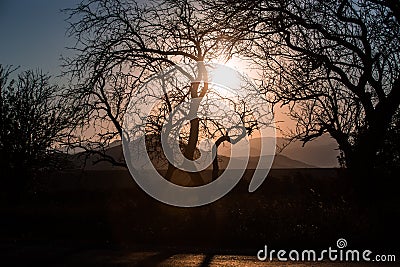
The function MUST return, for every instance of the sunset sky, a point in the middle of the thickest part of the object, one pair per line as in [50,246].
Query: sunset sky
[33,36]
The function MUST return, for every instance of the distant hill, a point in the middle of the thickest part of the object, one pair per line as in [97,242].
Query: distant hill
[280,162]
[81,160]
[115,150]
[321,152]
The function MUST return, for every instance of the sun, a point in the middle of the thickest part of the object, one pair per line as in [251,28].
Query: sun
[229,73]
[223,75]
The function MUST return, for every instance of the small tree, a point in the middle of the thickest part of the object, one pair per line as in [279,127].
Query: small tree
[35,118]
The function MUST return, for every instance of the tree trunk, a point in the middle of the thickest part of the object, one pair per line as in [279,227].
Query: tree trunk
[193,138]
[194,123]
[171,169]
[215,171]
[362,158]
[190,148]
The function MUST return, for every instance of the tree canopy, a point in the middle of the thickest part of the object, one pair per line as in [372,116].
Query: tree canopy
[334,64]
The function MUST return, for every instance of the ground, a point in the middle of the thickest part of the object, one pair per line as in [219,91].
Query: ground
[103,218]
[57,255]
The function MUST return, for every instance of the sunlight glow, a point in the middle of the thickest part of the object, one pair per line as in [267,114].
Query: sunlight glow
[226,76]
[228,72]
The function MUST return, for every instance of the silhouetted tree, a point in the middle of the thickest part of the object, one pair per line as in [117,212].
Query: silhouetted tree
[389,154]
[34,120]
[334,64]
[121,44]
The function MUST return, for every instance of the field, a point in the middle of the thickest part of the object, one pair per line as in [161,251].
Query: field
[297,208]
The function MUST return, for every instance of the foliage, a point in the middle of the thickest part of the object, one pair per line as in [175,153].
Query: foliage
[35,119]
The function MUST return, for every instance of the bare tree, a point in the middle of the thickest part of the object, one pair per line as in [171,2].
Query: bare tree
[35,120]
[224,116]
[334,64]
[121,45]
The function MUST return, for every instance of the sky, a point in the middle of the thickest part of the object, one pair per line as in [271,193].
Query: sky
[33,33]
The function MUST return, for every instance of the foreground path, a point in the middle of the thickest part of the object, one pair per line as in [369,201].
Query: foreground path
[53,255]
[197,260]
